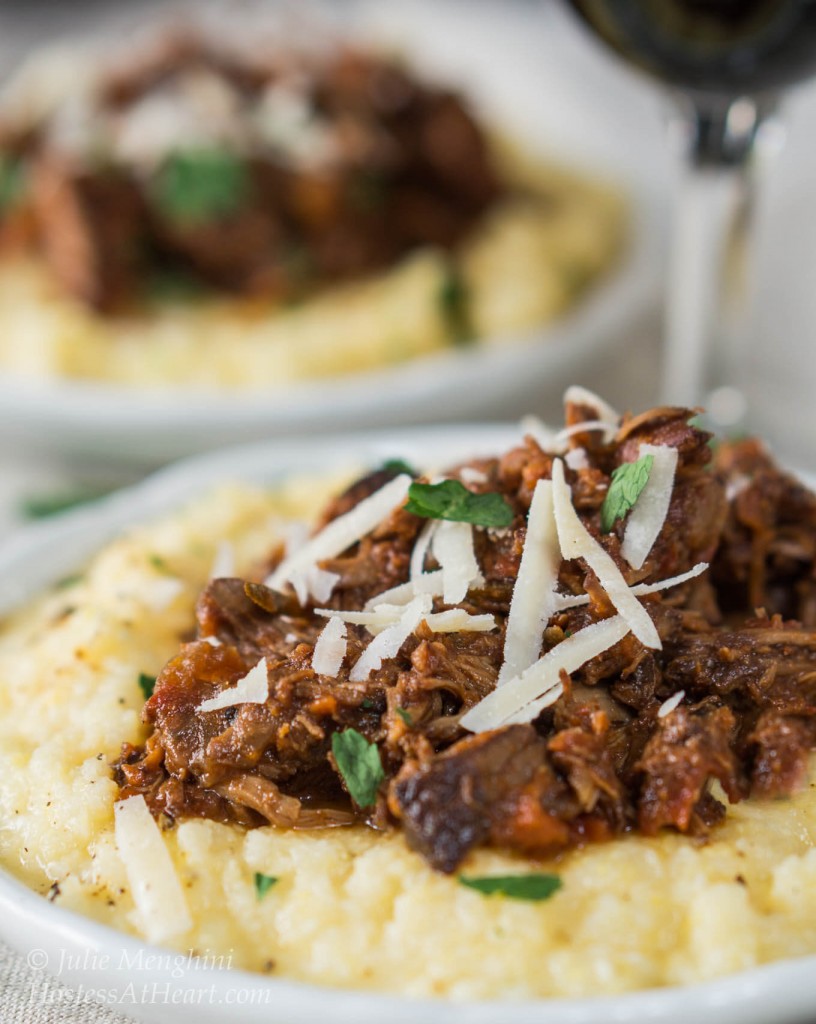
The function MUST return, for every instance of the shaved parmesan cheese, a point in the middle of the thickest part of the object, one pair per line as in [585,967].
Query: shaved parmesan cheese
[469,475]
[389,642]
[344,531]
[421,547]
[295,535]
[649,512]
[314,582]
[565,601]
[576,395]
[153,881]
[533,600]
[224,561]
[641,589]
[532,710]
[520,699]
[453,549]
[541,434]
[735,486]
[377,619]
[159,594]
[576,458]
[384,615]
[457,620]
[330,647]
[213,641]
[607,429]
[577,542]
[669,705]
[428,583]
[253,688]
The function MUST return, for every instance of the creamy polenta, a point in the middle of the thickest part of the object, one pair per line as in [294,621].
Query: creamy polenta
[530,258]
[351,907]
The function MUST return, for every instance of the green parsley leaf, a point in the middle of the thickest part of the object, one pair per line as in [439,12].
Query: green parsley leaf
[628,481]
[399,466]
[359,763]
[367,191]
[147,684]
[367,703]
[406,716]
[534,887]
[263,883]
[173,285]
[12,182]
[41,506]
[451,500]
[454,306]
[196,187]
[69,581]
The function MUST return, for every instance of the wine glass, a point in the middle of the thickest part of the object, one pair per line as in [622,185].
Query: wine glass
[725,63]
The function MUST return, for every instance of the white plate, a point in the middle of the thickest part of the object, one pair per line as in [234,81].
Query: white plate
[534,78]
[91,955]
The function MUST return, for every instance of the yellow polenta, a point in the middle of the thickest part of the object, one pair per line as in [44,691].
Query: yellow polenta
[528,260]
[352,908]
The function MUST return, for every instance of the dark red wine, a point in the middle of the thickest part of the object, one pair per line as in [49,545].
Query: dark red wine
[728,47]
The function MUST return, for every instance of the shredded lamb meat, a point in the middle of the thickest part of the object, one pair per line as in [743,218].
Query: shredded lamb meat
[739,640]
[261,175]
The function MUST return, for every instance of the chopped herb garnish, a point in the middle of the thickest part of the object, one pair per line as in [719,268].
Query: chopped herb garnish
[406,716]
[158,562]
[399,466]
[367,191]
[41,506]
[147,684]
[173,285]
[68,581]
[627,483]
[12,182]
[198,187]
[367,703]
[451,500]
[534,887]
[358,761]
[454,306]
[263,883]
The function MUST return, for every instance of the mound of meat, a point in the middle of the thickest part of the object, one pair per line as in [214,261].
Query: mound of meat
[266,176]
[607,757]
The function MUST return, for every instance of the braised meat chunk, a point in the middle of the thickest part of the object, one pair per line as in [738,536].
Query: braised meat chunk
[586,636]
[265,175]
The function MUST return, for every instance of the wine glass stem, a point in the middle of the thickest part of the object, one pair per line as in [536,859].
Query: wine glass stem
[708,307]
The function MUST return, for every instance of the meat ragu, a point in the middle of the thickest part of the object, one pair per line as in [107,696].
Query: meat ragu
[267,176]
[616,748]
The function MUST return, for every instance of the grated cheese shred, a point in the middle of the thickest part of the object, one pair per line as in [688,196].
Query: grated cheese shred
[649,512]
[533,600]
[344,531]
[387,644]
[453,549]
[577,395]
[253,688]
[669,705]
[522,699]
[577,542]
[330,647]
[153,881]
[563,602]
